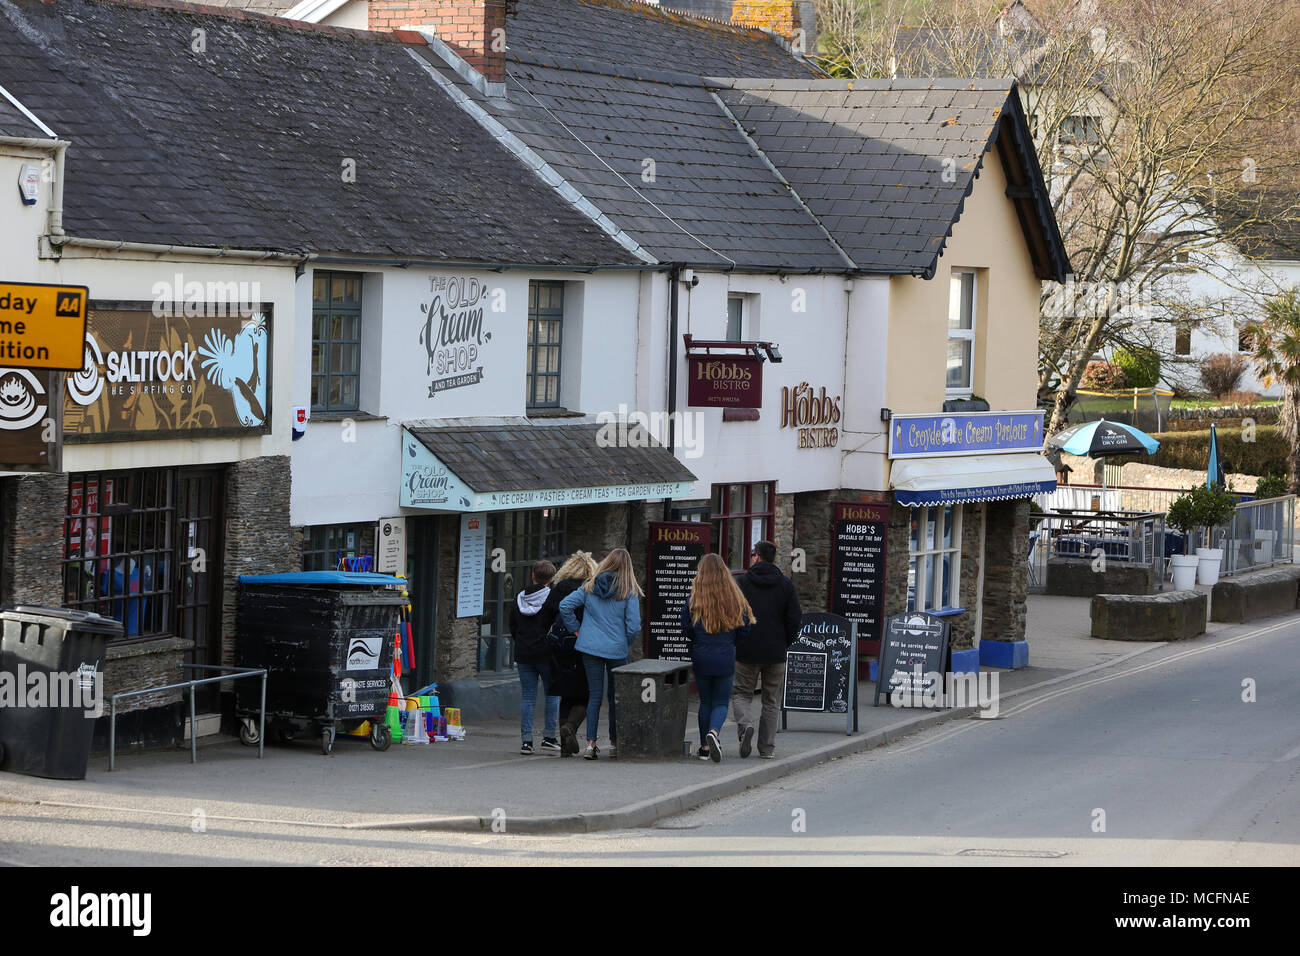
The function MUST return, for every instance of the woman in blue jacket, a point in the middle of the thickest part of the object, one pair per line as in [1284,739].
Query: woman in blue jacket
[714,619]
[611,621]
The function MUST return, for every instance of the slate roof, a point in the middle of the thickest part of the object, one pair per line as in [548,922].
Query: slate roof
[1262,223]
[633,36]
[873,159]
[14,123]
[243,145]
[520,456]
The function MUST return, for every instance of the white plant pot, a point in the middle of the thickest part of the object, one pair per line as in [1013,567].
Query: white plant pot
[1184,569]
[1208,562]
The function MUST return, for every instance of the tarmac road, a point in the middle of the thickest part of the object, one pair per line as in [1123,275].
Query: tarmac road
[1157,761]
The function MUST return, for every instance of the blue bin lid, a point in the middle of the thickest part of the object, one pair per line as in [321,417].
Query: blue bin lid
[368,579]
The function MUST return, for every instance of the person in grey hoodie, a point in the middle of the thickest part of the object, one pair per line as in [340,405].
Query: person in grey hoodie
[611,621]
[529,622]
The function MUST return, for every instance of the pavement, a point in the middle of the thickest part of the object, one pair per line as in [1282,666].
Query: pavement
[483,784]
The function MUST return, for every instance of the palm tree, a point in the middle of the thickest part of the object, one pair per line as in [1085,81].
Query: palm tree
[1276,342]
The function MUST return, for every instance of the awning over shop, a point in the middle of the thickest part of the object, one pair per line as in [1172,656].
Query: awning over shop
[515,464]
[968,478]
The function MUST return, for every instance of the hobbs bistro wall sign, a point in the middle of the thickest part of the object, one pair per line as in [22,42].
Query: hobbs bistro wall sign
[673,552]
[859,534]
[452,334]
[714,381]
[169,376]
[815,415]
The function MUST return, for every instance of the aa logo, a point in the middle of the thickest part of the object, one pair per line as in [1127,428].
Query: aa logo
[68,304]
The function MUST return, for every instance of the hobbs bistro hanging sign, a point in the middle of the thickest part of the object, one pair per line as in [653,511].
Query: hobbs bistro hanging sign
[724,381]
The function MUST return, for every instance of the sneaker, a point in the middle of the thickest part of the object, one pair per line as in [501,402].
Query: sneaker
[770,756]
[703,753]
[550,743]
[591,753]
[526,747]
[715,748]
[568,741]
[612,752]
[746,741]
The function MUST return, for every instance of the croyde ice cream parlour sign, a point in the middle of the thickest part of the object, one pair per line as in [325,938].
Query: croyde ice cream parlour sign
[454,330]
[170,376]
[974,433]
[722,381]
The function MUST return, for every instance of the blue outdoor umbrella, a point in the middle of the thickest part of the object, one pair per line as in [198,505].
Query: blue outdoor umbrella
[1102,440]
[1214,472]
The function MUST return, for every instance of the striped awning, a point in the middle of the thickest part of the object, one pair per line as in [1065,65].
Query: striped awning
[970,478]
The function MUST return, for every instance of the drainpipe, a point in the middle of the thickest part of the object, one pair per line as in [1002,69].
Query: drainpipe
[674,282]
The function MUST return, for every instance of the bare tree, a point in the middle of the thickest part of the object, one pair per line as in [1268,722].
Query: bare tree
[1147,115]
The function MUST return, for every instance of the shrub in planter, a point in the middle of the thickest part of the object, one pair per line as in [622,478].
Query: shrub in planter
[1221,373]
[1182,515]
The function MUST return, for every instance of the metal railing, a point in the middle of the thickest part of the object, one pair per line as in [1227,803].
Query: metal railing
[228,673]
[1260,535]
[1135,539]
[1111,498]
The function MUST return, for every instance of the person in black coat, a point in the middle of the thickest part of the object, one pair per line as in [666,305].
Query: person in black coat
[714,620]
[568,675]
[760,655]
[529,625]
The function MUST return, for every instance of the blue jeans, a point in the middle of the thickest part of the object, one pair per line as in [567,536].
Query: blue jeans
[598,676]
[715,697]
[528,677]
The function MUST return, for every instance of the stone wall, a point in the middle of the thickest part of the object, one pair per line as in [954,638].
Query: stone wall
[812,532]
[31,514]
[258,536]
[962,630]
[135,665]
[456,646]
[1006,570]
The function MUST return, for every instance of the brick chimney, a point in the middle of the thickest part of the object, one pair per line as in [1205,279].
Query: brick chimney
[783,17]
[474,29]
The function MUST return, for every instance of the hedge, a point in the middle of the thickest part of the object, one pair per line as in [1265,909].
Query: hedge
[1266,454]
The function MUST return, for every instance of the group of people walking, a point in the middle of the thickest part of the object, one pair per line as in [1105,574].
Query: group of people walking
[573,626]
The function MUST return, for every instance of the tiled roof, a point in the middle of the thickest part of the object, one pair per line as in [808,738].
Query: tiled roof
[658,155]
[245,143]
[633,36]
[520,456]
[14,123]
[1262,223]
[268,8]
[886,165]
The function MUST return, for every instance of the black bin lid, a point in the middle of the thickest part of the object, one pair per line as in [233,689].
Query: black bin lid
[67,618]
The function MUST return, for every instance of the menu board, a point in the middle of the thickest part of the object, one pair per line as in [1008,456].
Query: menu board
[805,681]
[472,565]
[859,534]
[913,657]
[673,552]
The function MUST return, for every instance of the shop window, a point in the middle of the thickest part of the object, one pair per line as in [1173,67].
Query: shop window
[545,325]
[524,538]
[735,318]
[119,548]
[335,547]
[934,559]
[336,342]
[961,333]
[742,516]
[1183,341]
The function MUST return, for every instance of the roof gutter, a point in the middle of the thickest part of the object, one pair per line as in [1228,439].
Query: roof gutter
[54,246]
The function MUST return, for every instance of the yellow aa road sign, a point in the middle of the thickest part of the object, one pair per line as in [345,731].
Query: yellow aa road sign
[42,326]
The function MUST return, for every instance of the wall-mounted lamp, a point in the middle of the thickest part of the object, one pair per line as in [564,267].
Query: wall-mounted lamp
[773,353]
[886,414]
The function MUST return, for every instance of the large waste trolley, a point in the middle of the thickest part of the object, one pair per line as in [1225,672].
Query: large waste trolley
[326,640]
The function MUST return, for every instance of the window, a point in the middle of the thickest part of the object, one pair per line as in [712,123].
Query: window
[336,342]
[742,517]
[325,547]
[1183,341]
[526,537]
[1081,129]
[934,559]
[545,322]
[118,546]
[735,318]
[961,332]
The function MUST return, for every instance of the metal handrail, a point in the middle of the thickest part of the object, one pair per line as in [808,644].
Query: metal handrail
[228,673]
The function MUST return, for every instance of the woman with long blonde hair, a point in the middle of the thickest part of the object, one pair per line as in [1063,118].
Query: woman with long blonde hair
[714,619]
[611,606]
[568,676]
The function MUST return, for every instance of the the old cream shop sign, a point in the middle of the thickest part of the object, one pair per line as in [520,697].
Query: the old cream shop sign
[454,330]
[815,415]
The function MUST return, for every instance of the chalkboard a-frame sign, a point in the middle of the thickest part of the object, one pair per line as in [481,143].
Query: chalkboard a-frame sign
[821,669]
[913,640]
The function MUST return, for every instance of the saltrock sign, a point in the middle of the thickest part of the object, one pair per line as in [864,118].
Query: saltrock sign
[169,376]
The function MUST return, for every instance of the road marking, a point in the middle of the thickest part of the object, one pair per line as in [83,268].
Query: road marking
[1289,755]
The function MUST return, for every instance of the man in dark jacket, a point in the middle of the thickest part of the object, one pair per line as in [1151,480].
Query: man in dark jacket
[760,656]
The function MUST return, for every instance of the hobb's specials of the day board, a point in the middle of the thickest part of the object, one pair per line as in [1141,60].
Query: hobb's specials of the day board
[673,552]
[858,550]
